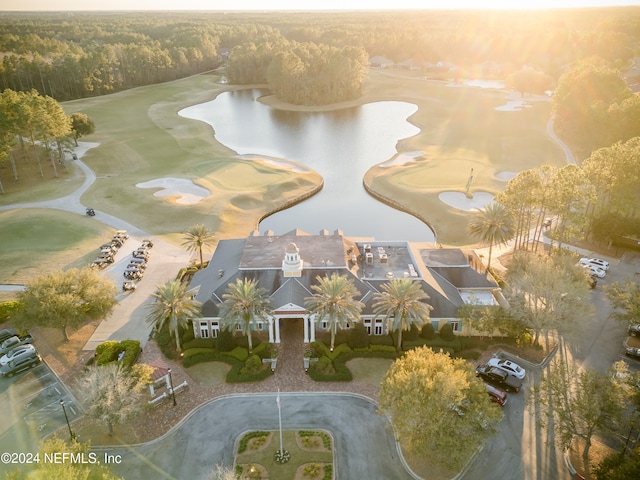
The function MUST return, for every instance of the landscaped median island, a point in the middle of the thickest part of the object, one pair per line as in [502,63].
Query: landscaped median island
[311,455]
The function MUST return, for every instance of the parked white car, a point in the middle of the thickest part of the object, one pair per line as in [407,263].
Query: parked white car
[508,366]
[17,352]
[595,262]
[594,271]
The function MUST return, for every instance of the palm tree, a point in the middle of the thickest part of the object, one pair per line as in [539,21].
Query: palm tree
[493,225]
[175,304]
[243,303]
[334,302]
[197,237]
[403,300]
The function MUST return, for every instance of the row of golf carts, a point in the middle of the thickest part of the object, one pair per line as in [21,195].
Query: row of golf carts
[137,266]
[108,250]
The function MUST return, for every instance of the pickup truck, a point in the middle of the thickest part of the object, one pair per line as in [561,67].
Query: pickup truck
[499,378]
[13,342]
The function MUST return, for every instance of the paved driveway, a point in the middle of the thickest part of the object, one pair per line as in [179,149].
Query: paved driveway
[31,410]
[364,443]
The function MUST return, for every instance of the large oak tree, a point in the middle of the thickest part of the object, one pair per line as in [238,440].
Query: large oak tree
[66,299]
[439,408]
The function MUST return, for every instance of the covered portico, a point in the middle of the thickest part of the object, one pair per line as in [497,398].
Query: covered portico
[290,311]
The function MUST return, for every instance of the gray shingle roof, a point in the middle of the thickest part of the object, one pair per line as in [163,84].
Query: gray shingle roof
[443,271]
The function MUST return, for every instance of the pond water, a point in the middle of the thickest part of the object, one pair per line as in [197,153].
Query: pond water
[340,145]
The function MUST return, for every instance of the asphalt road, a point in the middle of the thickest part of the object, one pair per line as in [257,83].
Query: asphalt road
[364,444]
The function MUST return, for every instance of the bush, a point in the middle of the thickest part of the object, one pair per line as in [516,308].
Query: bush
[195,351]
[467,355]
[239,353]
[322,370]
[418,342]
[132,350]
[358,336]
[163,339]
[226,342]
[7,309]
[200,357]
[236,374]
[253,364]
[244,442]
[243,341]
[109,351]
[324,336]
[319,349]
[428,332]
[200,343]
[381,340]
[324,366]
[340,349]
[412,334]
[188,335]
[439,342]
[383,348]
[263,349]
[446,332]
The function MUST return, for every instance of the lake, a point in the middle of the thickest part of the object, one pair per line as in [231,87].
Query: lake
[340,145]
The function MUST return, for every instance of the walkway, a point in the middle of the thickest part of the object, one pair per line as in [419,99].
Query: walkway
[128,320]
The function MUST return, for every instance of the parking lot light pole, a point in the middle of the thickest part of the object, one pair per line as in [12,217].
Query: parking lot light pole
[173,393]
[71,436]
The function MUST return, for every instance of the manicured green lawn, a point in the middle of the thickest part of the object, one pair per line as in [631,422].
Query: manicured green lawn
[369,370]
[142,138]
[37,240]
[209,373]
[299,456]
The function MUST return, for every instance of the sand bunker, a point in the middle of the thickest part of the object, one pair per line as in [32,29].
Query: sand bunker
[460,201]
[278,162]
[188,193]
[513,106]
[506,176]
[401,159]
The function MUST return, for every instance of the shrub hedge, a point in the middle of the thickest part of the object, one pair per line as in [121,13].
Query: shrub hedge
[163,339]
[235,375]
[239,353]
[225,341]
[8,309]
[244,441]
[201,357]
[109,351]
[195,351]
[428,332]
[199,343]
[381,340]
[446,332]
[358,336]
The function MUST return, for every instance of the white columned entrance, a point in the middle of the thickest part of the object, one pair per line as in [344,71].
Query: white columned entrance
[285,312]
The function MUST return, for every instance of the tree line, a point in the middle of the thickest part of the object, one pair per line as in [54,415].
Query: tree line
[596,201]
[42,121]
[77,55]
[301,73]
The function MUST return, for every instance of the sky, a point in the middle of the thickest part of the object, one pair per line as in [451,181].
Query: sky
[262,5]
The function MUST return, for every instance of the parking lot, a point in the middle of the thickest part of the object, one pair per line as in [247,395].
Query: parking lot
[31,409]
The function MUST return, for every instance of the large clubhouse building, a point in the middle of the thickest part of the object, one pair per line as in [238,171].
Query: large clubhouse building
[288,265]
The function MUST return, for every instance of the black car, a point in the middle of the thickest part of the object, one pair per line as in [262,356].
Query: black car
[20,364]
[499,378]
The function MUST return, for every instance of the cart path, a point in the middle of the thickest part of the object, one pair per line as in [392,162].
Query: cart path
[128,320]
